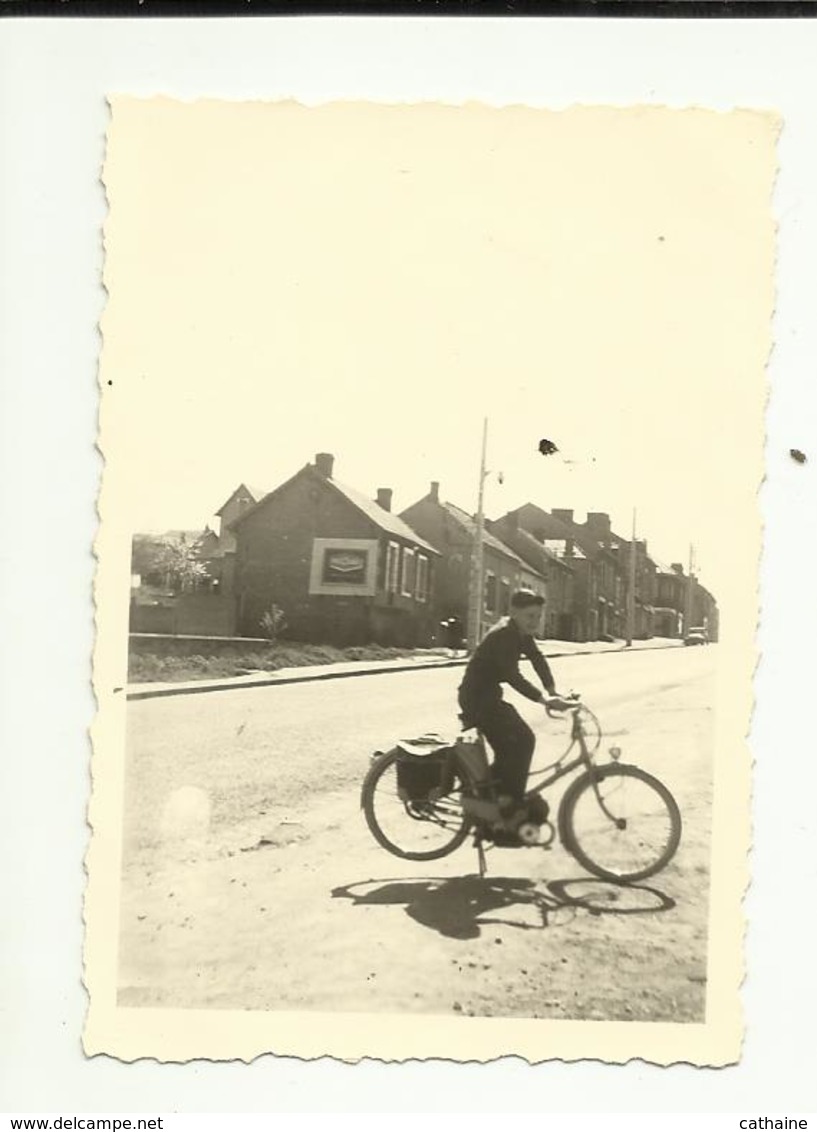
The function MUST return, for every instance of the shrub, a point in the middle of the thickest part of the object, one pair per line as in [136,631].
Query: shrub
[273,622]
[148,668]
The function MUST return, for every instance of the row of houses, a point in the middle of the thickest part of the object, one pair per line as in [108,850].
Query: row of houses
[333,564]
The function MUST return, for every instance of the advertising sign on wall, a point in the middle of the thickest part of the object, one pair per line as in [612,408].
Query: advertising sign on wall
[344,566]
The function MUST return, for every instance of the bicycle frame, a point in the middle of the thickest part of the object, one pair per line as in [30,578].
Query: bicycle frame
[560,769]
[476,807]
[584,758]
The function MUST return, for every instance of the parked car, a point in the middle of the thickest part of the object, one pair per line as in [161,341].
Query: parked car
[696,636]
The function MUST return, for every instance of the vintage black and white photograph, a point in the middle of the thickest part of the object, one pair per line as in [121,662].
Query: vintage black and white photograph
[427,572]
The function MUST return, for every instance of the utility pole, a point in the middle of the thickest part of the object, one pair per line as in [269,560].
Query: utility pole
[631,588]
[688,602]
[477,571]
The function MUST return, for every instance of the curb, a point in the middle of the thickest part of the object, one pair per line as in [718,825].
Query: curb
[231,684]
[272,681]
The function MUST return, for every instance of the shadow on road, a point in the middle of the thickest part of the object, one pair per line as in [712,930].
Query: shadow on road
[460,907]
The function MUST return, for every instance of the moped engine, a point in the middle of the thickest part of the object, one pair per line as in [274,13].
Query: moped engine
[528,833]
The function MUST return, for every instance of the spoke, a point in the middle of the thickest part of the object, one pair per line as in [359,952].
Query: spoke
[643,840]
[425,825]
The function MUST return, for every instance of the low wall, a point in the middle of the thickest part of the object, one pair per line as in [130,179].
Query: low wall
[152,618]
[199,615]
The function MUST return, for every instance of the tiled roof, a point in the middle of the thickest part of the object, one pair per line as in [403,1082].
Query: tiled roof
[562,544]
[489,539]
[538,548]
[257,494]
[387,521]
[556,528]
[662,567]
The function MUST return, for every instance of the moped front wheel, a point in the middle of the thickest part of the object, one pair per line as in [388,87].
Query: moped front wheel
[620,823]
[415,830]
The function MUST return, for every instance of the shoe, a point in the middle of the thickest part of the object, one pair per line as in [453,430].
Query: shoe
[537,809]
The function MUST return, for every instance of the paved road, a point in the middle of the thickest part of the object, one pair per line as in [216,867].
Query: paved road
[251,880]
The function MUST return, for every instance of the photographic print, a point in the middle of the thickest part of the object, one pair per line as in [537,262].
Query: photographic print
[427,571]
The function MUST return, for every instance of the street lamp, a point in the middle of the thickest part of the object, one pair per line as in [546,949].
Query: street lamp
[477,571]
[631,588]
[688,596]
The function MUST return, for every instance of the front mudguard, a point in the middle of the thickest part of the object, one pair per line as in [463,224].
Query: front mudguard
[592,775]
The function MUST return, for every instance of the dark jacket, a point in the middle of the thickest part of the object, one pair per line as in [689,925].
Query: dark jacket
[496,662]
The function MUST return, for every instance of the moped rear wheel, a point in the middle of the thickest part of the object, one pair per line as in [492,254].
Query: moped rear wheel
[620,823]
[417,831]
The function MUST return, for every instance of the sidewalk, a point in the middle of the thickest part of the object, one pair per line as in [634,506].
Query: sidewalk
[431,658]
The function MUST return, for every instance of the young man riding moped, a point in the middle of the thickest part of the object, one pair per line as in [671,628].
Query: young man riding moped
[496,662]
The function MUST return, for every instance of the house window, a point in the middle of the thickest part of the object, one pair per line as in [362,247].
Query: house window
[490,593]
[421,591]
[392,567]
[505,597]
[408,572]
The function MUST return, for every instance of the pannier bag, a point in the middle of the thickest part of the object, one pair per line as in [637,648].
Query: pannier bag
[425,768]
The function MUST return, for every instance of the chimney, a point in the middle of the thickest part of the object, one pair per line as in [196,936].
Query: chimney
[434,494]
[598,523]
[324,462]
[384,498]
[563,513]
[677,568]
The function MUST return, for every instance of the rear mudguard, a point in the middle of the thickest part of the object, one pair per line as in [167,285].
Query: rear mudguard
[378,756]
[374,762]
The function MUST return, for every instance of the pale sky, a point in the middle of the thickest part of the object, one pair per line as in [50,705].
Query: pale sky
[372,283]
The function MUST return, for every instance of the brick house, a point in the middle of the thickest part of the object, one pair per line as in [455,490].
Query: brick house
[598,528]
[340,565]
[597,585]
[242,499]
[704,610]
[674,589]
[452,531]
[219,549]
[646,584]
[557,572]
[670,598]
[613,575]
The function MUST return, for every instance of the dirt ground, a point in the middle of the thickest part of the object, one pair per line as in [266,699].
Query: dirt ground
[251,881]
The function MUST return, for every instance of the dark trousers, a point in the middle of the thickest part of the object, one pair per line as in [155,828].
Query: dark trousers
[513,743]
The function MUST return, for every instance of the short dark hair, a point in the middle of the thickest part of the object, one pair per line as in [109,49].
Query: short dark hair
[524,599]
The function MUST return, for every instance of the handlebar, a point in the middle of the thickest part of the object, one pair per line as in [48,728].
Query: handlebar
[555,706]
